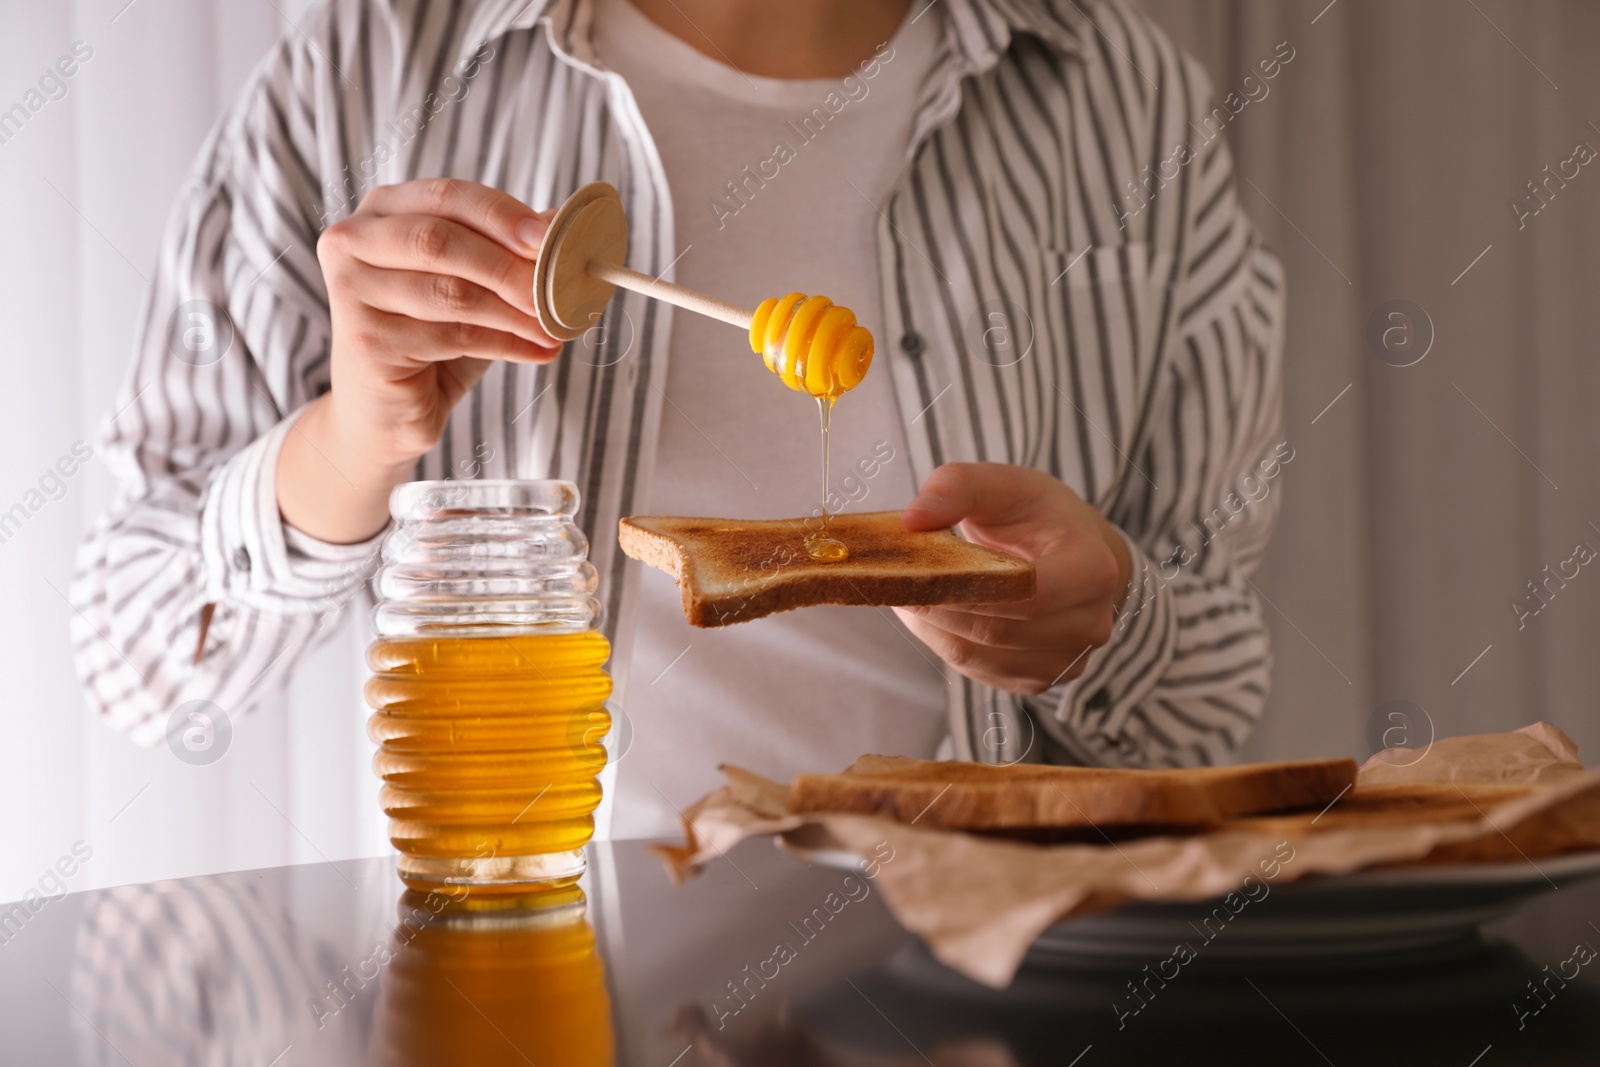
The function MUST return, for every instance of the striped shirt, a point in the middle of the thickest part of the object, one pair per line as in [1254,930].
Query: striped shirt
[1069,284]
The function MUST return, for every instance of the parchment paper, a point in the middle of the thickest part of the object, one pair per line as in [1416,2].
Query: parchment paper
[979,902]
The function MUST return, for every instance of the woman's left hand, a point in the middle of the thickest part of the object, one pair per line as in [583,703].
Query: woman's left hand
[1083,566]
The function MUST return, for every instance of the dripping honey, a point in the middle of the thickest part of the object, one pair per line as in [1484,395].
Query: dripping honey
[815,347]
[821,545]
[489,751]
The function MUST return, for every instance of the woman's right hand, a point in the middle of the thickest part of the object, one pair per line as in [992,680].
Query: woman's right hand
[428,282]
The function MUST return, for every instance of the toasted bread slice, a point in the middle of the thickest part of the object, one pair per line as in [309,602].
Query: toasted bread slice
[1366,807]
[731,570]
[1408,804]
[1573,826]
[976,796]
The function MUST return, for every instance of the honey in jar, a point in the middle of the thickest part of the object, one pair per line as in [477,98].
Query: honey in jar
[488,689]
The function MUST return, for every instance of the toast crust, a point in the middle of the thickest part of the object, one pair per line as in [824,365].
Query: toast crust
[976,796]
[733,570]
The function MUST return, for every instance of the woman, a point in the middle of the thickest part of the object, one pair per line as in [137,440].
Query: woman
[1079,350]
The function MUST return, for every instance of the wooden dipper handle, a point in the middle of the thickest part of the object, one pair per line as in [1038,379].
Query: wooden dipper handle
[676,295]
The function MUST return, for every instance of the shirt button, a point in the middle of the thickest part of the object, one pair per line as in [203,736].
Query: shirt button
[241,559]
[912,344]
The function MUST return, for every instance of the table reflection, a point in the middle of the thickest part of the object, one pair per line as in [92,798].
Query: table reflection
[190,972]
[531,974]
[1443,1006]
[323,964]
[220,971]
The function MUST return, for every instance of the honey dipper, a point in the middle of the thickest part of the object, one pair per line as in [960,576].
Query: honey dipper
[813,345]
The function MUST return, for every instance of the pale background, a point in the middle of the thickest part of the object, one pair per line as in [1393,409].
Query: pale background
[1380,164]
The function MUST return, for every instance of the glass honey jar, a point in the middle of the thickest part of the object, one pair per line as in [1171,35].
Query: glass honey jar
[488,688]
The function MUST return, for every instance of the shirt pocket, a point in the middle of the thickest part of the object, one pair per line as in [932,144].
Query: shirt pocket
[1117,286]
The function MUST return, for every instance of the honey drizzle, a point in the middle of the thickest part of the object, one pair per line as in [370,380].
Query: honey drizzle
[821,545]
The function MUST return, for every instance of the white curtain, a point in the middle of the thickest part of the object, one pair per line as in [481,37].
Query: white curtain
[86,182]
[1381,161]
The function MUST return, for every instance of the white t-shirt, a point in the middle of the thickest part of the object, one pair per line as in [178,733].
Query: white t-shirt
[807,161]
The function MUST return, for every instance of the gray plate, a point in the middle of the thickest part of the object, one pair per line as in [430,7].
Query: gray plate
[1323,917]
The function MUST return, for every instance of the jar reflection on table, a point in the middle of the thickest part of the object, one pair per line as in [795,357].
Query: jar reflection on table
[488,688]
[510,987]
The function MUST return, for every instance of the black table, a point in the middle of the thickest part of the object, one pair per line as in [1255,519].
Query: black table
[314,965]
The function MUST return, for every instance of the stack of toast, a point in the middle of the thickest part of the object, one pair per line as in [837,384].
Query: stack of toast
[732,570]
[1051,805]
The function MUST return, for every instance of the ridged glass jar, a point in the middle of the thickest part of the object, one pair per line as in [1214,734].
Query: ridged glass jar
[488,687]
